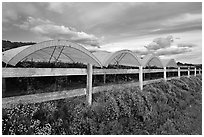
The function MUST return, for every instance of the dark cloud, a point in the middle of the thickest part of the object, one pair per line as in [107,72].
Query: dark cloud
[150,16]
[179,28]
[110,19]
[48,29]
[190,45]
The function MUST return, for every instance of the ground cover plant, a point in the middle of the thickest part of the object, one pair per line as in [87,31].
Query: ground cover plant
[162,108]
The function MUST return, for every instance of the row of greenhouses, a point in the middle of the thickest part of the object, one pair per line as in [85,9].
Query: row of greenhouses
[69,52]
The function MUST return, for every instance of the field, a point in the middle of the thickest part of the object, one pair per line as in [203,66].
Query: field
[164,108]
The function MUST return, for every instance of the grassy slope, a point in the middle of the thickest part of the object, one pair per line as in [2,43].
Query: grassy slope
[172,107]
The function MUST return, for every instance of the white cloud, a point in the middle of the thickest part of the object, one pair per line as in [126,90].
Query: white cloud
[162,46]
[167,46]
[172,50]
[153,46]
[159,43]
[51,30]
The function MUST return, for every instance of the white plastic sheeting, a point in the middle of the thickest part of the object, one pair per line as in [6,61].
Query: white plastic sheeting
[169,63]
[151,60]
[51,51]
[66,51]
[122,57]
[102,56]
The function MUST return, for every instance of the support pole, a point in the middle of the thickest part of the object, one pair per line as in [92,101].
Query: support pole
[89,84]
[195,71]
[104,78]
[188,71]
[179,72]
[164,73]
[141,77]
[3,86]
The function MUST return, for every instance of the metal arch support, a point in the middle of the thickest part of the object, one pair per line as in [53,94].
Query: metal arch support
[47,53]
[59,53]
[118,60]
[52,54]
[68,57]
[121,57]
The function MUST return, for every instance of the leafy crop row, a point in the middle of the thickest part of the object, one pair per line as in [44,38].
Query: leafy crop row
[172,107]
[24,86]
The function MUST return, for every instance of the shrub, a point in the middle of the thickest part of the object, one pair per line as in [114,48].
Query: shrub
[18,119]
[172,107]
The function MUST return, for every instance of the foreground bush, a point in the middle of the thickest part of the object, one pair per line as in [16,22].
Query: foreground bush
[172,107]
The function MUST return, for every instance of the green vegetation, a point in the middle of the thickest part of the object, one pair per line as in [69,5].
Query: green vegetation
[172,107]
[6,44]
[33,85]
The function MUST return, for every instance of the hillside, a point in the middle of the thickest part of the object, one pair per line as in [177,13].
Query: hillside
[6,44]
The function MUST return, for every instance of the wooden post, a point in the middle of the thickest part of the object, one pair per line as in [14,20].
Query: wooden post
[189,71]
[141,77]
[104,78]
[164,73]
[89,84]
[195,71]
[3,86]
[179,72]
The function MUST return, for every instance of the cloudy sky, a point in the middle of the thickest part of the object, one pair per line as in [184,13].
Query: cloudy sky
[166,29]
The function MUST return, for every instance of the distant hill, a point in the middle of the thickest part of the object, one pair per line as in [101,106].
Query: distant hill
[187,64]
[6,44]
